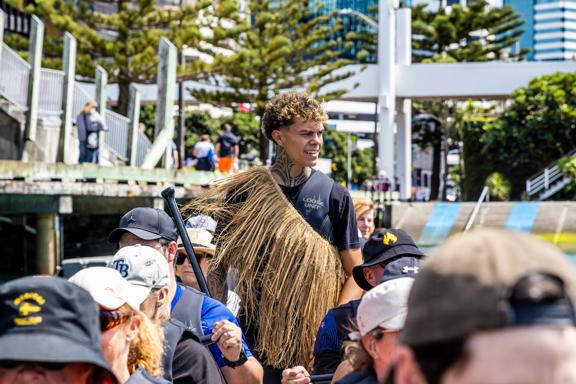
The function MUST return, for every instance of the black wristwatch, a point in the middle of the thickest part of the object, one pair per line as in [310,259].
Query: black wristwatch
[241,360]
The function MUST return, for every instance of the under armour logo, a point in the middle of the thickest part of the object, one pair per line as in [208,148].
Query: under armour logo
[407,269]
[122,267]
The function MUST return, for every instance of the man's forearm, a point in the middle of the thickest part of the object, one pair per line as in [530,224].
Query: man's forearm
[250,372]
[350,291]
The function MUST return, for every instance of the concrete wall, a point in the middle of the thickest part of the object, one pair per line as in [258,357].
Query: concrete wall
[11,131]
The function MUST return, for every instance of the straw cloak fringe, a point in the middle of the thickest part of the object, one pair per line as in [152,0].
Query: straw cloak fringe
[289,275]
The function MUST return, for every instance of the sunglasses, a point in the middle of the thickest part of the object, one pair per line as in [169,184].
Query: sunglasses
[12,364]
[111,319]
[181,257]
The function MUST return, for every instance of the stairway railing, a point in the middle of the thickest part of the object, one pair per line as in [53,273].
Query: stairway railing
[546,178]
[14,76]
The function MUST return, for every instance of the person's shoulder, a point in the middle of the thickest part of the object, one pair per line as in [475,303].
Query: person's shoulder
[141,376]
[215,309]
[360,377]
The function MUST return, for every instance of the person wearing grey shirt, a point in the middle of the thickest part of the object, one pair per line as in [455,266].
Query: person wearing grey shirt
[89,123]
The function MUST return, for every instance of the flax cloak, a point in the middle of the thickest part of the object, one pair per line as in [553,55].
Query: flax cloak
[289,275]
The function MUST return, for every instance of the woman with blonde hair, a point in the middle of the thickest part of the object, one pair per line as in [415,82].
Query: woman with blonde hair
[131,343]
[365,217]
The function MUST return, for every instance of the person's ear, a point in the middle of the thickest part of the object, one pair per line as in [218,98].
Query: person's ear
[371,347]
[162,297]
[369,276]
[277,137]
[134,327]
[406,369]
[172,252]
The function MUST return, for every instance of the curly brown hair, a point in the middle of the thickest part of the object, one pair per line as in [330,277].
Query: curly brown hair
[285,108]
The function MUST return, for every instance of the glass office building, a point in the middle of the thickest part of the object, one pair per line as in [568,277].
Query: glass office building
[549,29]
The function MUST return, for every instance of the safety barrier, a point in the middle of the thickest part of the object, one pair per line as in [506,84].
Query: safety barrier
[14,76]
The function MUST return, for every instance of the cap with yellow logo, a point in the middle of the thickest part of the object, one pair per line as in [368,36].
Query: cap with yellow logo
[48,319]
[383,247]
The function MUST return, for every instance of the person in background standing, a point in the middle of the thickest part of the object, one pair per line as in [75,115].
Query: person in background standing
[89,123]
[227,149]
[204,154]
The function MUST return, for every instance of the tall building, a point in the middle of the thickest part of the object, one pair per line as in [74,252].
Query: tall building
[350,12]
[549,29]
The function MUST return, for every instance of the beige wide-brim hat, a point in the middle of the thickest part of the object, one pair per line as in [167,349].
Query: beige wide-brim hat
[201,241]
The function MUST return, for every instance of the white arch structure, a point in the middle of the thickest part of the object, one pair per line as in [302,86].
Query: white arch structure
[394,82]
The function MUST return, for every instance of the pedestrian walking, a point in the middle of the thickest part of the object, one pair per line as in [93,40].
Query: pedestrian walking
[227,149]
[204,154]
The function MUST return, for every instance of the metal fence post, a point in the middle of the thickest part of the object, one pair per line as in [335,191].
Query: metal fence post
[35,61]
[134,116]
[101,97]
[69,67]
[166,88]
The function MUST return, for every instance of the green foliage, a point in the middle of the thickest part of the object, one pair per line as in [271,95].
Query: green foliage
[536,130]
[335,149]
[287,47]
[473,33]
[123,36]
[499,186]
[470,123]
[148,118]
[568,166]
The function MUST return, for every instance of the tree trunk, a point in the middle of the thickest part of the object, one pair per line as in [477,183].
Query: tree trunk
[123,97]
[435,182]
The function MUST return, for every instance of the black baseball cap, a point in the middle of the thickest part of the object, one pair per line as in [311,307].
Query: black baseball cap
[384,246]
[404,266]
[147,224]
[50,320]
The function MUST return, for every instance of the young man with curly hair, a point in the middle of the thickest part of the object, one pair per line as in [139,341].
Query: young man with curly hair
[290,231]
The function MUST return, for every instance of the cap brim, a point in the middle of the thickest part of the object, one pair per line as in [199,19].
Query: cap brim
[116,234]
[198,248]
[392,253]
[50,348]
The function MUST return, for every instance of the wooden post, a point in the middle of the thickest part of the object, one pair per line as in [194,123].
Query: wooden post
[46,243]
[69,67]
[134,116]
[166,87]
[35,61]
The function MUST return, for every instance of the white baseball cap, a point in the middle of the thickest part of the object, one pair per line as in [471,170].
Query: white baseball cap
[383,306]
[144,267]
[107,287]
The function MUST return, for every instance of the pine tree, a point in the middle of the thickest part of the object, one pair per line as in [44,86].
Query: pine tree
[457,34]
[123,35]
[287,47]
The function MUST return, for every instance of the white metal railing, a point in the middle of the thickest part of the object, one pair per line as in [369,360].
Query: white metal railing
[143,146]
[51,92]
[14,76]
[545,179]
[484,196]
[118,134]
[79,100]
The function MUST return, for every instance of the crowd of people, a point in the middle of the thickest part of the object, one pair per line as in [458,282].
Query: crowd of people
[302,286]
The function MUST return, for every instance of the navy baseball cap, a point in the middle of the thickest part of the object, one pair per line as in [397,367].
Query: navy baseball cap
[407,266]
[49,320]
[147,224]
[384,246]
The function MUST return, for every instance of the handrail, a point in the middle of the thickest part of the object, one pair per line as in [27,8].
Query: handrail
[546,177]
[485,195]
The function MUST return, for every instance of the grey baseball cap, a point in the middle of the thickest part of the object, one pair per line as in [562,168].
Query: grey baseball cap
[142,266]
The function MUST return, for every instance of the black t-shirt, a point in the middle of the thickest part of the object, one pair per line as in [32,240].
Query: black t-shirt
[341,214]
[193,363]
[227,142]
